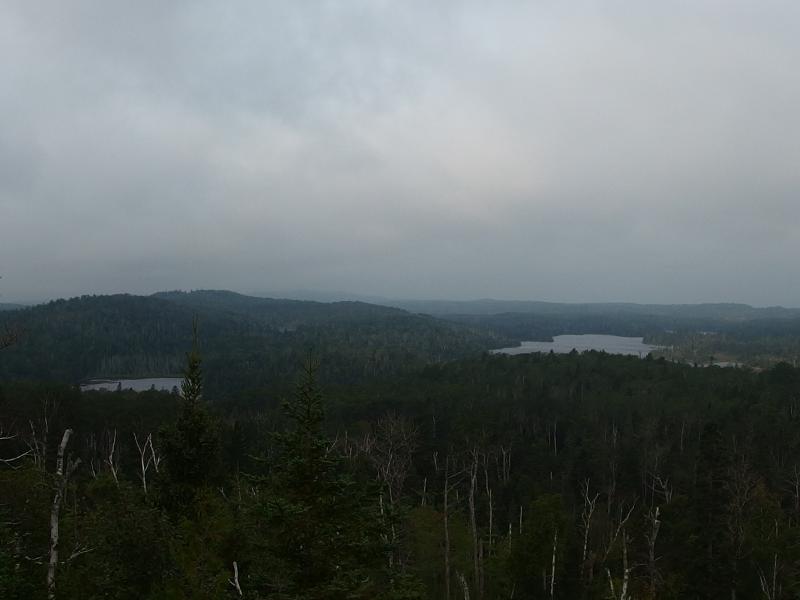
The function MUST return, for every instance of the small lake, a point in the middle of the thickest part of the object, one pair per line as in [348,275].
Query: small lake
[564,344]
[137,385]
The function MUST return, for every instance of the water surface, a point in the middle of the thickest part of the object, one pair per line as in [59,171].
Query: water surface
[563,344]
[137,385]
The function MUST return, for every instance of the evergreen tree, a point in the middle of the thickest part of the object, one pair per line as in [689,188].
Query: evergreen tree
[191,446]
[316,531]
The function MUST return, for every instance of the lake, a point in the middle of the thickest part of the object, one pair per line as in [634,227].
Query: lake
[563,344]
[137,385]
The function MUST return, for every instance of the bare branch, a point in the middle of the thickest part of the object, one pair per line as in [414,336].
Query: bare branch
[235,581]
[8,461]
[78,552]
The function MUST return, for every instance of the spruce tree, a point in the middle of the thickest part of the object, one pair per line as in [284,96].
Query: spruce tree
[316,532]
[191,445]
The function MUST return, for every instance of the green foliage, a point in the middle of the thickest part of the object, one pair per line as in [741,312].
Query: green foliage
[249,343]
[191,445]
[319,527]
[192,384]
[531,556]
[126,540]
[293,495]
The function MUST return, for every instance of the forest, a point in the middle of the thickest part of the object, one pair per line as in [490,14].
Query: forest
[399,300]
[453,474]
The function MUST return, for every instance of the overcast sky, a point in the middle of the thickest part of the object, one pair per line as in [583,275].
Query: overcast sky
[641,151]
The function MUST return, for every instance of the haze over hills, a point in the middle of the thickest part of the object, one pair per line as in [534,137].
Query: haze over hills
[285,302]
[491,306]
[725,311]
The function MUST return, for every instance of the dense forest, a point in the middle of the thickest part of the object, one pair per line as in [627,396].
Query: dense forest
[395,403]
[453,474]
[252,342]
[247,342]
[696,335]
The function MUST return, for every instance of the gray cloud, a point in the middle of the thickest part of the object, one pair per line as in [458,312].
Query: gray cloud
[642,151]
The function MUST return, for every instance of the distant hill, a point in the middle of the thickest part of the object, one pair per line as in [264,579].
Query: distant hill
[721,311]
[281,313]
[488,306]
[245,341]
[7,306]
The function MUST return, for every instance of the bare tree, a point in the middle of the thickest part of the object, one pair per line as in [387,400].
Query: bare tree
[148,457]
[40,434]
[390,448]
[589,505]
[62,476]
[489,497]
[473,477]
[626,572]
[450,482]
[235,581]
[622,519]
[111,454]
[553,567]
[7,436]
[770,587]
[505,472]
[654,524]
[464,585]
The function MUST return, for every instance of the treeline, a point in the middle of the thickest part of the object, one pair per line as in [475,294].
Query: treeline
[761,342]
[538,476]
[248,342]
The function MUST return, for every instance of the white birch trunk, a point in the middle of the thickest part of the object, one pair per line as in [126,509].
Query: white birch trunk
[62,478]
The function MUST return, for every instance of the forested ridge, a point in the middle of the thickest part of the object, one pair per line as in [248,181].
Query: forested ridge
[536,476]
[247,341]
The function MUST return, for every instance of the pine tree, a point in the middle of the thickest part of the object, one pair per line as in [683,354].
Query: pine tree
[191,446]
[192,385]
[316,531]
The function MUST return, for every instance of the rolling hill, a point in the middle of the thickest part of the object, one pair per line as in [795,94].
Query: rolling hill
[245,341]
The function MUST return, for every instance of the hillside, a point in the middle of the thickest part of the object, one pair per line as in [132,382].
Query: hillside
[281,313]
[714,311]
[245,341]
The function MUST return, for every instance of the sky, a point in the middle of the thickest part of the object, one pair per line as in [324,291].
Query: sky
[639,150]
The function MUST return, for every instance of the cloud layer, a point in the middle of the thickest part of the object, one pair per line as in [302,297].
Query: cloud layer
[642,151]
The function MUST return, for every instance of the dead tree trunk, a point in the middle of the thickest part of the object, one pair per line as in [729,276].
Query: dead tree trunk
[464,585]
[620,531]
[626,572]
[61,480]
[553,569]
[235,581]
[446,517]
[111,460]
[769,585]
[651,535]
[473,473]
[589,505]
[488,497]
[506,468]
[147,458]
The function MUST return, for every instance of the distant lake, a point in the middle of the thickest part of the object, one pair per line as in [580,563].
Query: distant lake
[137,385]
[564,344]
